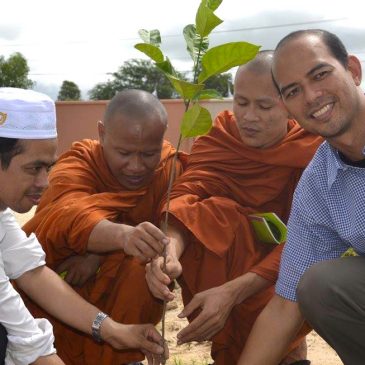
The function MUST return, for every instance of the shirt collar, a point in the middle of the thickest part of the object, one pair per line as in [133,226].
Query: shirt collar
[334,165]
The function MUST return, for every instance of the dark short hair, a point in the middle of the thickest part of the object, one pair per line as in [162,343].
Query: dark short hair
[333,43]
[9,147]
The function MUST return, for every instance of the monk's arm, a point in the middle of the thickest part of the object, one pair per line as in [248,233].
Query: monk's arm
[157,278]
[177,232]
[245,286]
[275,327]
[215,305]
[107,236]
[143,241]
[268,267]
[260,277]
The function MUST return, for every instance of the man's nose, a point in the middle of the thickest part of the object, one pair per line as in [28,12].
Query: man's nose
[135,164]
[42,179]
[312,94]
[250,115]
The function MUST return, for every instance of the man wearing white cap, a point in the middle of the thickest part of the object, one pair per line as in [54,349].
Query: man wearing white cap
[28,143]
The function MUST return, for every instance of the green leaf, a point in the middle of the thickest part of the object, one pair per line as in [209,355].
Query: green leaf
[208,94]
[166,67]
[150,37]
[196,122]
[196,45]
[187,90]
[349,252]
[212,4]
[205,20]
[222,58]
[151,51]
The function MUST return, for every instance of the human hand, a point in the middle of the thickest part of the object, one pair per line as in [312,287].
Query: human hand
[215,305]
[144,337]
[157,279]
[79,268]
[144,241]
[48,360]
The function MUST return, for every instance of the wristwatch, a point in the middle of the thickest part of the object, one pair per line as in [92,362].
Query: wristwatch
[95,327]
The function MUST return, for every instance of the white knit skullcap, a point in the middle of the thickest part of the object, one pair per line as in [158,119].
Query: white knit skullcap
[26,114]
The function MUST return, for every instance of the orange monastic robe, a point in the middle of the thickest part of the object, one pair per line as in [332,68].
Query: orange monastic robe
[82,192]
[224,181]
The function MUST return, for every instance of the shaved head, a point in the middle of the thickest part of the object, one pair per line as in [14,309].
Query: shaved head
[260,115]
[131,137]
[137,105]
[261,64]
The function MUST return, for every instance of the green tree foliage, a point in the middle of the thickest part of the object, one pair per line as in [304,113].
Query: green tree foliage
[135,74]
[102,91]
[14,72]
[69,91]
[221,83]
[208,63]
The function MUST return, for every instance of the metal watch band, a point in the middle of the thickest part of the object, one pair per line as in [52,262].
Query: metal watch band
[95,327]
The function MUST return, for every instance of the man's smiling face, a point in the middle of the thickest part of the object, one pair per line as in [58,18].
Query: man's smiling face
[318,91]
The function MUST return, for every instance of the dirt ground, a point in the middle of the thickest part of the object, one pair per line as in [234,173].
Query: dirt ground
[198,353]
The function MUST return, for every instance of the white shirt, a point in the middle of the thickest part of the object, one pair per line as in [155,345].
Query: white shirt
[28,338]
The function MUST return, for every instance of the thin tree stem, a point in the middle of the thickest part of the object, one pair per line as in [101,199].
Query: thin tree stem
[166,224]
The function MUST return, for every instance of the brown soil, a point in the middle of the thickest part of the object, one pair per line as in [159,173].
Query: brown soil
[198,353]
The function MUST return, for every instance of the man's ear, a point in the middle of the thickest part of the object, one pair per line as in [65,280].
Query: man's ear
[101,131]
[354,67]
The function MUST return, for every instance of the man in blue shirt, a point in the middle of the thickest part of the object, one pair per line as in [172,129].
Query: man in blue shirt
[320,86]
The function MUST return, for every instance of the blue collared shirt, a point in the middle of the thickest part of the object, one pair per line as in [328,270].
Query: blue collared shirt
[327,217]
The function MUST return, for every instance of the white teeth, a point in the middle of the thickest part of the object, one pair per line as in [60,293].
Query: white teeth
[321,111]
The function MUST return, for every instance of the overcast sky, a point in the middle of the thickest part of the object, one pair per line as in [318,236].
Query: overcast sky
[82,41]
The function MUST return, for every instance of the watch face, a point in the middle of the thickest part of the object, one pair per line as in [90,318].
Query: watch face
[95,327]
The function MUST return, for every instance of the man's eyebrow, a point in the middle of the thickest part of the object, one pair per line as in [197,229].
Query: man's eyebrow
[265,99]
[309,73]
[237,95]
[283,89]
[316,68]
[40,163]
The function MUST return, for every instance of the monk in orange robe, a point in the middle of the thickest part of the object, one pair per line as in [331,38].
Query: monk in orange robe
[250,162]
[96,221]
